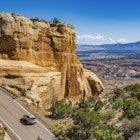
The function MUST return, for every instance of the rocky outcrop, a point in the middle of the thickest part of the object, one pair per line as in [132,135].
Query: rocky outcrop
[42,60]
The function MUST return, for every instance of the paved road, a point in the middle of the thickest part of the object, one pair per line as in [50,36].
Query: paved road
[11,112]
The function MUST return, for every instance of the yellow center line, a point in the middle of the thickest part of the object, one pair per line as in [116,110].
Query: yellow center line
[32,131]
[17,117]
[9,110]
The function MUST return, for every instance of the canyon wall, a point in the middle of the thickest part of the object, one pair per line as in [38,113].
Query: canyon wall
[39,57]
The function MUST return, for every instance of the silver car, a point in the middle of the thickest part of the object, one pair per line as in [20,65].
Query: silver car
[30,119]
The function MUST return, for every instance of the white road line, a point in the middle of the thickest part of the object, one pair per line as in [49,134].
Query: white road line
[37,120]
[10,129]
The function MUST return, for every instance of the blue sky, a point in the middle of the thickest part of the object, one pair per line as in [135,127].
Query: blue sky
[95,21]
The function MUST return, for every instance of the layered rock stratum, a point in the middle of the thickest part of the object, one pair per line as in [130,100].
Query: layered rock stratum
[39,57]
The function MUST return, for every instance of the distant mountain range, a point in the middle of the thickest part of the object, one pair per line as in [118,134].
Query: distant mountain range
[118,46]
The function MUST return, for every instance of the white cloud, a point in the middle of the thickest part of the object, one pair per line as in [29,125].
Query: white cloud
[100,38]
[90,37]
[122,40]
[111,40]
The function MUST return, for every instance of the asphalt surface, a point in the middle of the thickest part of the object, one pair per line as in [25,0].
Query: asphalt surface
[11,113]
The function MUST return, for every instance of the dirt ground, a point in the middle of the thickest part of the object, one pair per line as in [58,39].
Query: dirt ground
[110,84]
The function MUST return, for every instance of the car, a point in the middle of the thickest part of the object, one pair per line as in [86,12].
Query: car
[30,119]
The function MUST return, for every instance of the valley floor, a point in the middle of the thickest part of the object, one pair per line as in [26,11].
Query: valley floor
[112,83]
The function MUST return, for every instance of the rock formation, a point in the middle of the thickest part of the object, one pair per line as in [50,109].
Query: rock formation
[40,58]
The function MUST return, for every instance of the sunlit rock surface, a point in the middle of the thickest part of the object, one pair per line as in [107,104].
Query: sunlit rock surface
[40,57]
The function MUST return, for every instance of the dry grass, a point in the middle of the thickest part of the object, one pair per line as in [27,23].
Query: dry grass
[110,84]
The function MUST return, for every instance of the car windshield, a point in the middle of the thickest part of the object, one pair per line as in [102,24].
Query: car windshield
[32,117]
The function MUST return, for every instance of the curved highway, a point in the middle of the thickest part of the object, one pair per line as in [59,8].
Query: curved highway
[10,114]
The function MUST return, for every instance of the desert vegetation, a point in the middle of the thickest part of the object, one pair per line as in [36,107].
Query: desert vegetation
[114,116]
[2,133]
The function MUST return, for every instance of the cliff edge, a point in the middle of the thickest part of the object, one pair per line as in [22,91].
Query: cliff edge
[39,57]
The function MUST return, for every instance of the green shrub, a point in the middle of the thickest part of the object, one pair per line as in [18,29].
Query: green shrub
[99,104]
[75,133]
[23,93]
[38,138]
[118,93]
[120,137]
[2,133]
[131,127]
[105,132]
[109,114]
[88,103]
[134,90]
[84,121]
[118,103]
[55,20]
[84,104]
[131,107]
[85,117]
[61,109]
[92,100]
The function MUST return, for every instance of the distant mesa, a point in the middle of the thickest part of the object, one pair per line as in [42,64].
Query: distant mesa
[38,59]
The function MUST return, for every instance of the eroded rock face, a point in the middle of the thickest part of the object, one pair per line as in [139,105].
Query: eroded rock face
[50,48]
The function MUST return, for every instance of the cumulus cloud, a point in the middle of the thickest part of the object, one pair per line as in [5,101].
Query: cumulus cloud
[111,40]
[101,38]
[122,40]
[90,37]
